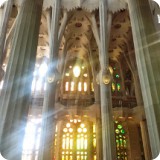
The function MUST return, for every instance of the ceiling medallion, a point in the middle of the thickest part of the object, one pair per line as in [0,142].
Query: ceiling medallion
[78,24]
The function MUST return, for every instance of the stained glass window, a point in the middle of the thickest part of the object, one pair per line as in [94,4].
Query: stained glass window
[121,142]
[75,140]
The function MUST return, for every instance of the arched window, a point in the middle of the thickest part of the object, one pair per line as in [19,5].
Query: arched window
[76,140]
[121,142]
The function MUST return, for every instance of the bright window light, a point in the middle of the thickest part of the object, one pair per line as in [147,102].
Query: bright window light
[67,86]
[158,16]
[72,86]
[157,1]
[80,86]
[85,86]
[43,69]
[1,84]
[32,137]
[76,71]
[2,1]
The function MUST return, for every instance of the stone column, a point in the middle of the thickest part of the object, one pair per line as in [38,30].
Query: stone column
[99,139]
[1,15]
[147,47]
[94,74]
[108,137]
[3,27]
[145,140]
[16,92]
[48,123]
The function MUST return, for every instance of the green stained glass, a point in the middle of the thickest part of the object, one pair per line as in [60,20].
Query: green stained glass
[118,86]
[117,75]
[119,126]
[122,131]
[121,143]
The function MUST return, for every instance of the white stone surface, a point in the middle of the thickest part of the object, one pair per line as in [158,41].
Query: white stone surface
[158,157]
[89,5]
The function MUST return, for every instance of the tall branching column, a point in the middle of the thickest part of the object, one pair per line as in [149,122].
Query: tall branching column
[15,96]
[147,47]
[3,26]
[48,123]
[1,15]
[105,90]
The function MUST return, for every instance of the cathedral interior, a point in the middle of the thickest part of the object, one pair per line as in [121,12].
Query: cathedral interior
[79,80]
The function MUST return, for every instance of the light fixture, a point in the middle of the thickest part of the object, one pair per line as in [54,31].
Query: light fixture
[51,78]
[76,71]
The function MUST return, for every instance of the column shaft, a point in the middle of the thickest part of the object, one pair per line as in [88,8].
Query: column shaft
[147,47]
[3,27]
[16,92]
[99,139]
[1,15]
[108,138]
[49,111]
[145,140]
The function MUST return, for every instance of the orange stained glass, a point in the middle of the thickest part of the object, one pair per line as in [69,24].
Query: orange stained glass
[67,86]
[85,86]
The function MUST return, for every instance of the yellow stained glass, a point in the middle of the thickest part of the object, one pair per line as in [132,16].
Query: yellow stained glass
[82,125]
[65,130]
[67,86]
[69,137]
[113,87]
[70,129]
[94,143]
[71,143]
[80,86]
[78,143]
[68,125]
[84,130]
[79,130]
[63,143]
[82,140]
[94,128]
[67,143]
[72,86]
[85,144]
